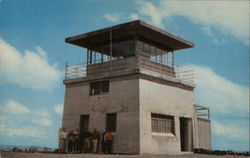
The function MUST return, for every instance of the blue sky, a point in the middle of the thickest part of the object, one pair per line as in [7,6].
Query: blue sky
[33,55]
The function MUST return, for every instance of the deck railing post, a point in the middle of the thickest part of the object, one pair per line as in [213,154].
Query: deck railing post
[66,70]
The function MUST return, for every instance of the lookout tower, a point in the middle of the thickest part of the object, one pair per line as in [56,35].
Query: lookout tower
[130,85]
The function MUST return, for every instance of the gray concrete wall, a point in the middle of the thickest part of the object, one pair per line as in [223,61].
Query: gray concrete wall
[162,99]
[121,99]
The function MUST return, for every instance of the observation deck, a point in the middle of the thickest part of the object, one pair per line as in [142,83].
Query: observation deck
[131,48]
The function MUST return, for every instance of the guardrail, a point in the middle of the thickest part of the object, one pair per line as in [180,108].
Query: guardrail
[75,71]
[80,70]
[184,74]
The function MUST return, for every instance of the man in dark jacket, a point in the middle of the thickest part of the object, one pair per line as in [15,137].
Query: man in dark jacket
[87,141]
[70,141]
[76,141]
[81,141]
[104,141]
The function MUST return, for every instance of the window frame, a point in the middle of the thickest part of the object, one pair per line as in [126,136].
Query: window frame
[101,87]
[162,123]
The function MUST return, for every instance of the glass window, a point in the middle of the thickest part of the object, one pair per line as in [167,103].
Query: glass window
[99,87]
[162,123]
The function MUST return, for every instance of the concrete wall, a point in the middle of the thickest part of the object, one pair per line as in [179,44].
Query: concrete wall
[121,99]
[133,100]
[162,99]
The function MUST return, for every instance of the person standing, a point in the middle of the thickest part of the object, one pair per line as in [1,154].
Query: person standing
[70,141]
[95,140]
[109,138]
[103,141]
[76,141]
[81,143]
[63,138]
[87,141]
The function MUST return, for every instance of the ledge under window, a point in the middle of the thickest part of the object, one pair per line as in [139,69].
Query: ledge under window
[163,134]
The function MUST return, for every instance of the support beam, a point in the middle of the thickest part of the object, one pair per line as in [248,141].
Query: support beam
[87,56]
[172,58]
[110,53]
[102,57]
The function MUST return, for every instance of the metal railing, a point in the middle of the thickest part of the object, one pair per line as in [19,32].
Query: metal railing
[202,112]
[184,74]
[75,71]
[119,65]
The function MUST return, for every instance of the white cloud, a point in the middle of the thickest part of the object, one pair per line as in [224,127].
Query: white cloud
[41,121]
[41,112]
[25,114]
[150,10]
[42,53]
[228,103]
[19,120]
[30,69]
[232,131]
[220,94]
[228,17]
[59,109]
[112,17]
[16,108]
[26,131]
[134,16]
[120,17]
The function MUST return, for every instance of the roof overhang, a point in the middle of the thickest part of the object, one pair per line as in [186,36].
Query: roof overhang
[130,30]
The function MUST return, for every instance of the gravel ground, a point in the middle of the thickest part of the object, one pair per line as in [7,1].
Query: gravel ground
[44,155]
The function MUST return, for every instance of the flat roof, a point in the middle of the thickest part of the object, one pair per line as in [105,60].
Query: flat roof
[130,30]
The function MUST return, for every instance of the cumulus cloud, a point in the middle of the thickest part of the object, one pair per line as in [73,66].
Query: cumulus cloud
[29,70]
[16,108]
[58,109]
[19,120]
[230,130]
[220,94]
[134,16]
[227,17]
[152,11]
[112,17]
[27,131]
[228,103]
[120,17]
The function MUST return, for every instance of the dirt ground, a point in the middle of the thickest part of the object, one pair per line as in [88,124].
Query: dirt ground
[44,155]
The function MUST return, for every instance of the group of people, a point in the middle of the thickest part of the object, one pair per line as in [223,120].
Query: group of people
[85,141]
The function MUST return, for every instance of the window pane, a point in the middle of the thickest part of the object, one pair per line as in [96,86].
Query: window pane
[95,88]
[105,86]
[162,123]
[99,87]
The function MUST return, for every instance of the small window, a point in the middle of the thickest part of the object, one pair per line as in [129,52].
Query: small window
[99,87]
[111,122]
[162,123]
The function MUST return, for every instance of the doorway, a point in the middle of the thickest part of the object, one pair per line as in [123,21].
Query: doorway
[84,122]
[186,134]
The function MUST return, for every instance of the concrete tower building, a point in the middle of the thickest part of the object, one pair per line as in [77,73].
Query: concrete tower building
[131,86]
